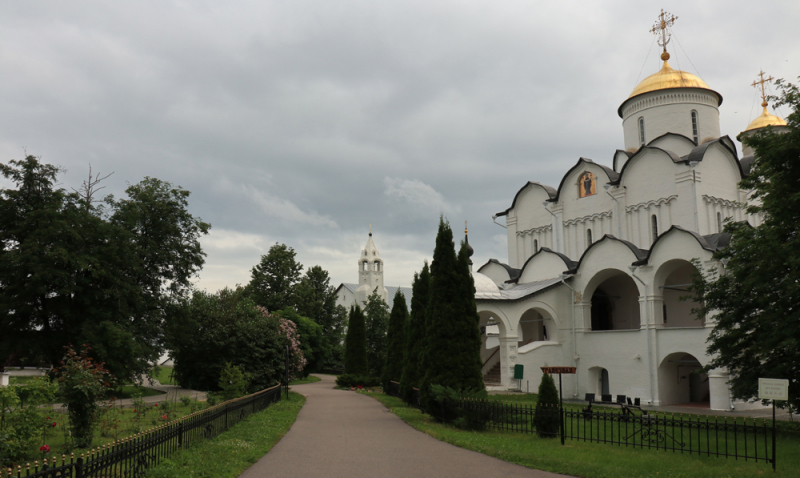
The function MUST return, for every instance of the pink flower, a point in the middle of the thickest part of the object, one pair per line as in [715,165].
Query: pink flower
[164,417]
[44,448]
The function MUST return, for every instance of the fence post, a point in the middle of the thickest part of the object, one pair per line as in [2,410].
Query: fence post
[774,454]
[226,416]
[79,468]
[180,435]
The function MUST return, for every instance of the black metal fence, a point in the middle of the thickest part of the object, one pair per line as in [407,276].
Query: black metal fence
[746,439]
[131,456]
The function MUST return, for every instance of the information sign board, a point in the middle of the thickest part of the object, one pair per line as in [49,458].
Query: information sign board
[558,369]
[773,389]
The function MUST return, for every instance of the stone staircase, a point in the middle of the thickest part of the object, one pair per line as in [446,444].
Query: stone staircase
[492,377]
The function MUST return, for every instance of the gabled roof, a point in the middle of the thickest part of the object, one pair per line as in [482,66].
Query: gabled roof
[638,253]
[677,135]
[614,160]
[521,291]
[643,149]
[700,151]
[512,273]
[568,263]
[391,291]
[551,193]
[610,173]
[717,242]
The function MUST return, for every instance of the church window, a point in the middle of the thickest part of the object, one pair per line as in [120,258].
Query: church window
[664,311]
[641,130]
[588,238]
[377,266]
[587,185]
[365,266]
[719,222]
[654,225]
[694,127]
[535,246]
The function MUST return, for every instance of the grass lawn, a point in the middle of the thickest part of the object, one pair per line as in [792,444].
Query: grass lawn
[164,376]
[232,452]
[309,379]
[595,460]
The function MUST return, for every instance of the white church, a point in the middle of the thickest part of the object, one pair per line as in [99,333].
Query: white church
[370,278]
[597,265]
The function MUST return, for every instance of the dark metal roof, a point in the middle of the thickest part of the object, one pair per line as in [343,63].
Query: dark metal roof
[551,193]
[702,240]
[747,164]
[638,253]
[610,173]
[512,273]
[569,263]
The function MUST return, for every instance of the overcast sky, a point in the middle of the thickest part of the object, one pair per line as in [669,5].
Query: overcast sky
[302,122]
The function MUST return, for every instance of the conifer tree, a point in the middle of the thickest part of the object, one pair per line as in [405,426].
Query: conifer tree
[452,352]
[376,313]
[393,369]
[355,352]
[415,334]
[546,417]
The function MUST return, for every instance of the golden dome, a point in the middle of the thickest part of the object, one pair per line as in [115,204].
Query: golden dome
[668,78]
[765,120]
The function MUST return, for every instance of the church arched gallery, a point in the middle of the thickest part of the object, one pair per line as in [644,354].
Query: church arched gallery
[599,266]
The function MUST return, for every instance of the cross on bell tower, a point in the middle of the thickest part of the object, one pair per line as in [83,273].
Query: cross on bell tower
[665,20]
[760,83]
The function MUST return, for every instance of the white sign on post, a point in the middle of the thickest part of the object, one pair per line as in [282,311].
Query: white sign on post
[773,389]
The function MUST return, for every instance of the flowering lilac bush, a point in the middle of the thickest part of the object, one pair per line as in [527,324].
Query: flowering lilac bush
[288,331]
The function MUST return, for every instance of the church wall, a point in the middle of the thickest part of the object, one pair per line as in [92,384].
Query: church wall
[718,191]
[532,226]
[676,144]
[581,214]
[544,266]
[669,111]
[496,272]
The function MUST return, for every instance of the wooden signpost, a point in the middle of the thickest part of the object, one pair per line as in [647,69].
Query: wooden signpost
[559,371]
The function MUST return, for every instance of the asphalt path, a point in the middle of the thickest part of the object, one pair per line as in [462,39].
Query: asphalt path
[344,434]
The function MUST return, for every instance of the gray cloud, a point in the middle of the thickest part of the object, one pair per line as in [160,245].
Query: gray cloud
[303,122]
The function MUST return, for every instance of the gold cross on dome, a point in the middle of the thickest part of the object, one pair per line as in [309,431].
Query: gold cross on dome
[760,83]
[665,20]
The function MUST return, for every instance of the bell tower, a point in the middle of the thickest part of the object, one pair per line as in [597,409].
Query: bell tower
[370,272]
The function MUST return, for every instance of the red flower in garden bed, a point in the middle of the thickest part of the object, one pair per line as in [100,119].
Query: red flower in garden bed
[44,448]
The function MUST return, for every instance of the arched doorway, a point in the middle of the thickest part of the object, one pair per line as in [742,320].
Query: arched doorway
[599,382]
[490,326]
[614,302]
[681,381]
[673,280]
[534,326]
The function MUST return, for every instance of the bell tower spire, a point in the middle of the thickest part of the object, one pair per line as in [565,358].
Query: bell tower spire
[370,272]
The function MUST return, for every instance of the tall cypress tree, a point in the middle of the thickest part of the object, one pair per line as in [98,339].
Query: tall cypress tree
[452,355]
[393,369]
[415,334]
[376,313]
[355,352]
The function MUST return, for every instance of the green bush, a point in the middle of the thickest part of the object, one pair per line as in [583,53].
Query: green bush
[82,384]
[233,382]
[23,424]
[442,400]
[352,380]
[546,418]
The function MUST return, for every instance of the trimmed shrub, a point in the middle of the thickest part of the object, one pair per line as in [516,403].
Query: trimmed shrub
[547,417]
[442,400]
[352,380]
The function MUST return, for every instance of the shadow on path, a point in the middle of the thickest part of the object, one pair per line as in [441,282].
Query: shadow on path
[344,434]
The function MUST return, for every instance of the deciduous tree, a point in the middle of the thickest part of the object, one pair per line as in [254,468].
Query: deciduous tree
[273,279]
[376,312]
[756,301]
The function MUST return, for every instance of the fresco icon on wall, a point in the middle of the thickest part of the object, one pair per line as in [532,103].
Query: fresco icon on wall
[587,185]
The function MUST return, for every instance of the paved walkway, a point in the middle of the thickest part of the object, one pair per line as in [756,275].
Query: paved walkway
[345,434]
